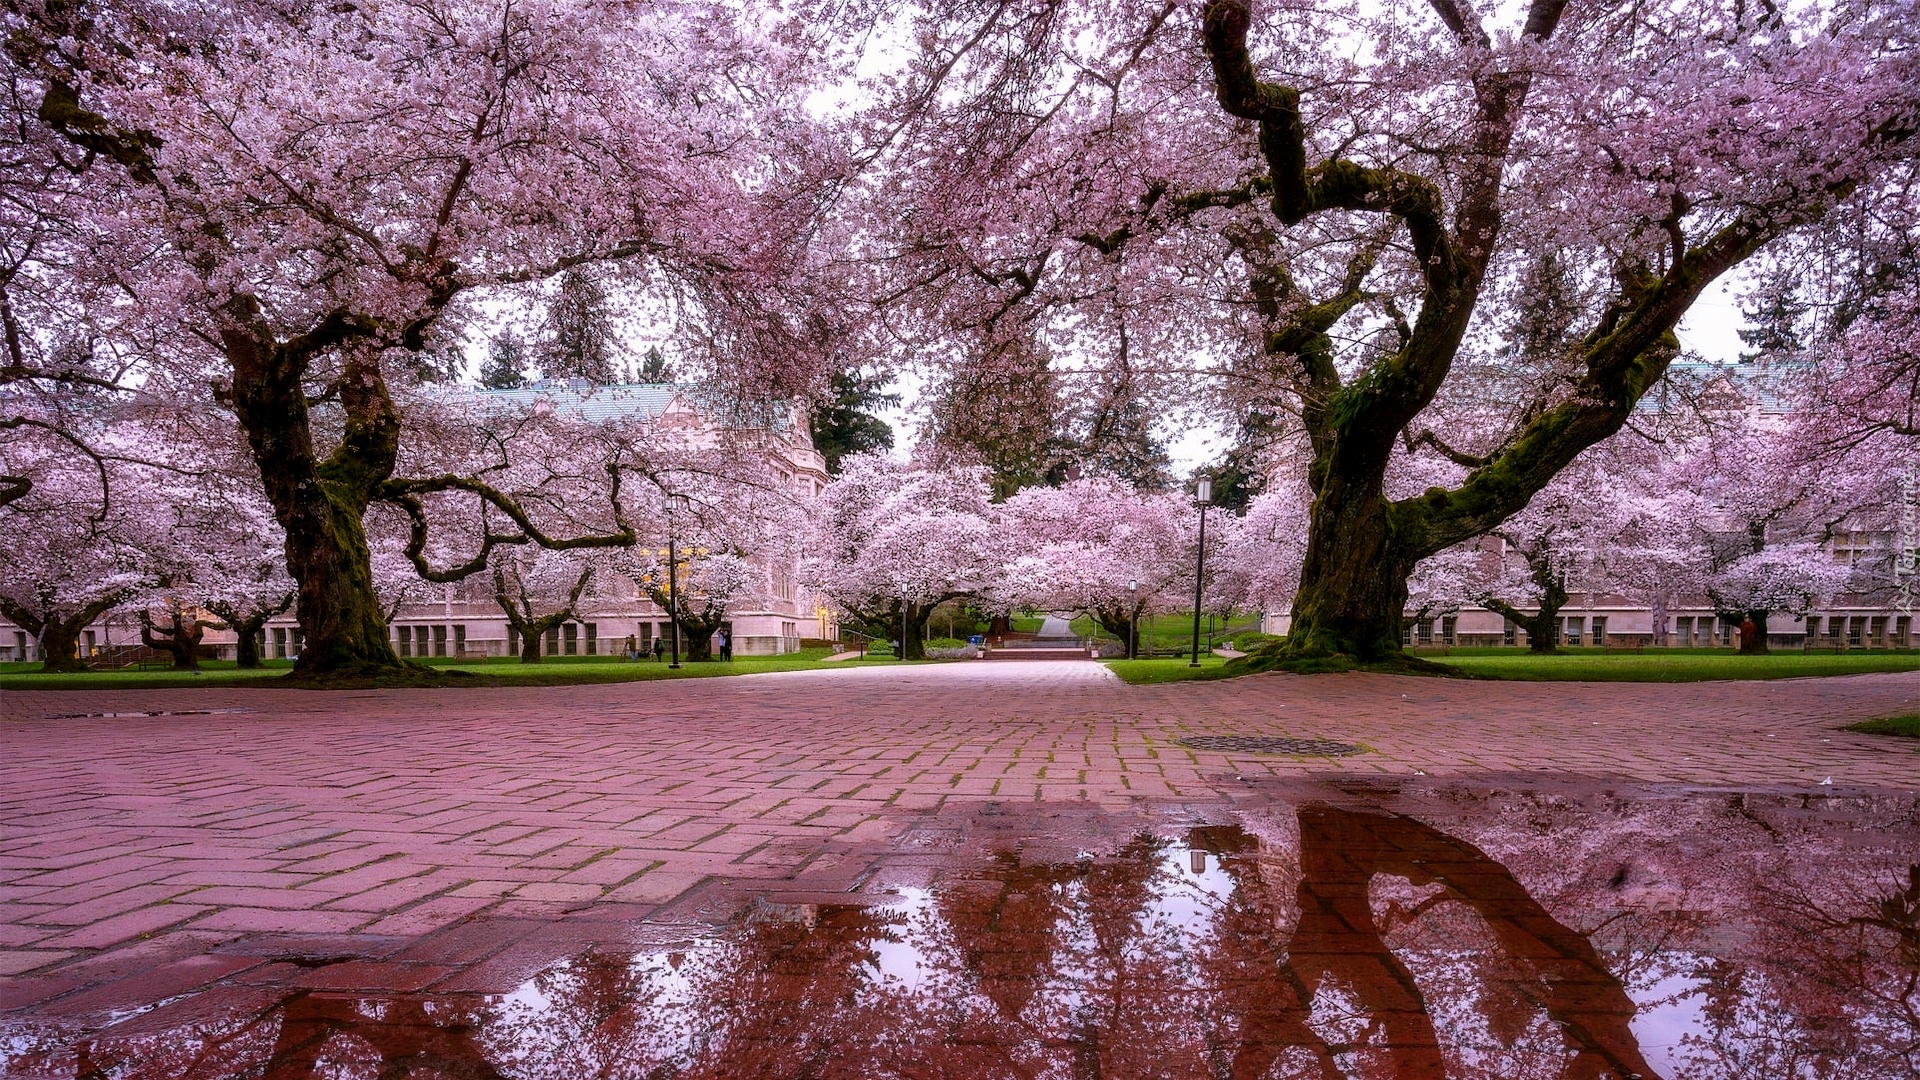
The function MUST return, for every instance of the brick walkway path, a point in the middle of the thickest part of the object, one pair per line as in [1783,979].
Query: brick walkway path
[361,821]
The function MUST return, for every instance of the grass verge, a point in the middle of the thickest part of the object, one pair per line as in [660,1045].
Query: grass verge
[1669,665]
[1148,672]
[553,671]
[1906,727]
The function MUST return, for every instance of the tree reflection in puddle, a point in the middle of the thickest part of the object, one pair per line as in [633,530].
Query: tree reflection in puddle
[1327,941]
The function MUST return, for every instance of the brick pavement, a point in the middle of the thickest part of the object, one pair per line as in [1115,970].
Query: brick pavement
[143,857]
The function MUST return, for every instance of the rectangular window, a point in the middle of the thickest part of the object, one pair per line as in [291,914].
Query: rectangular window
[1902,632]
[570,635]
[280,642]
[1600,630]
[1447,628]
[403,636]
[460,638]
[299,640]
[646,636]
[439,641]
[593,639]
[20,644]
[553,641]
[1854,630]
[1509,632]
[1574,625]
[513,642]
[1426,633]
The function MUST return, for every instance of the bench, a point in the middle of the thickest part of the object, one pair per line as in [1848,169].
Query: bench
[1625,645]
[1430,648]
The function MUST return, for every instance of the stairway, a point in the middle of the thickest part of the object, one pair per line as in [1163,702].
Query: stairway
[1055,641]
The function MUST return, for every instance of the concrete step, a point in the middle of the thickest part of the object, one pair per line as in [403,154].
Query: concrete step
[1024,653]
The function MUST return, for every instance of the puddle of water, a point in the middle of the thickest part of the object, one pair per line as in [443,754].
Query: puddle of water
[144,712]
[1437,933]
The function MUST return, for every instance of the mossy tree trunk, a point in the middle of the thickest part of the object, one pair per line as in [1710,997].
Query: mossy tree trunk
[320,502]
[1361,545]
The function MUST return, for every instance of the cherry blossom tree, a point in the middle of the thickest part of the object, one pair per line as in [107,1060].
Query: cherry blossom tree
[1764,515]
[299,220]
[892,541]
[1334,209]
[708,582]
[539,590]
[64,570]
[1101,547]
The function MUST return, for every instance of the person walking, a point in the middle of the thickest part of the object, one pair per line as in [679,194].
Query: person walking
[726,647]
[633,649]
[659,646]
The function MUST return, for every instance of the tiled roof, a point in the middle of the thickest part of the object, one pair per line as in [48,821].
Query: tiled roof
[581,398]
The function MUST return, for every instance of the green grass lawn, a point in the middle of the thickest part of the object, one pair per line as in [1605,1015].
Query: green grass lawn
[1147,672]
[1669,665]
[552,671]
[1591,665]
[1158,633]
[1906,727]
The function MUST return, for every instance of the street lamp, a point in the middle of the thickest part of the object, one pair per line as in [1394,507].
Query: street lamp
[901,654]
[1202,494]
[675,503]
[1133,617]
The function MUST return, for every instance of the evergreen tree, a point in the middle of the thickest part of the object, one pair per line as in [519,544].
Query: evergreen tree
[506,363]
[579,341]
[1772,329]
[1240,477]
[1120,444]
[655,368]
[844,425]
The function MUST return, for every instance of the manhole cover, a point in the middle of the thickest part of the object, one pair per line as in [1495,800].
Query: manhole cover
[1269,744]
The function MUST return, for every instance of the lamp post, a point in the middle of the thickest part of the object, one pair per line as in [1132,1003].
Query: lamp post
[674,503]
[902,654]
[1202,494]
[1133,617]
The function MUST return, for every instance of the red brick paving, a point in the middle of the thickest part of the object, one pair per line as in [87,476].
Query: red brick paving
[143,856]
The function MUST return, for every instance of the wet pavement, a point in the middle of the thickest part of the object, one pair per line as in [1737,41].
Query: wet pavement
[395,889]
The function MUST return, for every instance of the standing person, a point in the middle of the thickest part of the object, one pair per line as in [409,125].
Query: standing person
[633,649]
[659,646]
[726,647]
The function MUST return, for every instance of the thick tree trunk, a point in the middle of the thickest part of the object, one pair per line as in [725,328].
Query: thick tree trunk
[529,648]
[914,645]
[249,626]
[696,640]
[1353,585]
[344,629]
[246,650]
[1543,631]
[181,641]
[60,646]
[319,502]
